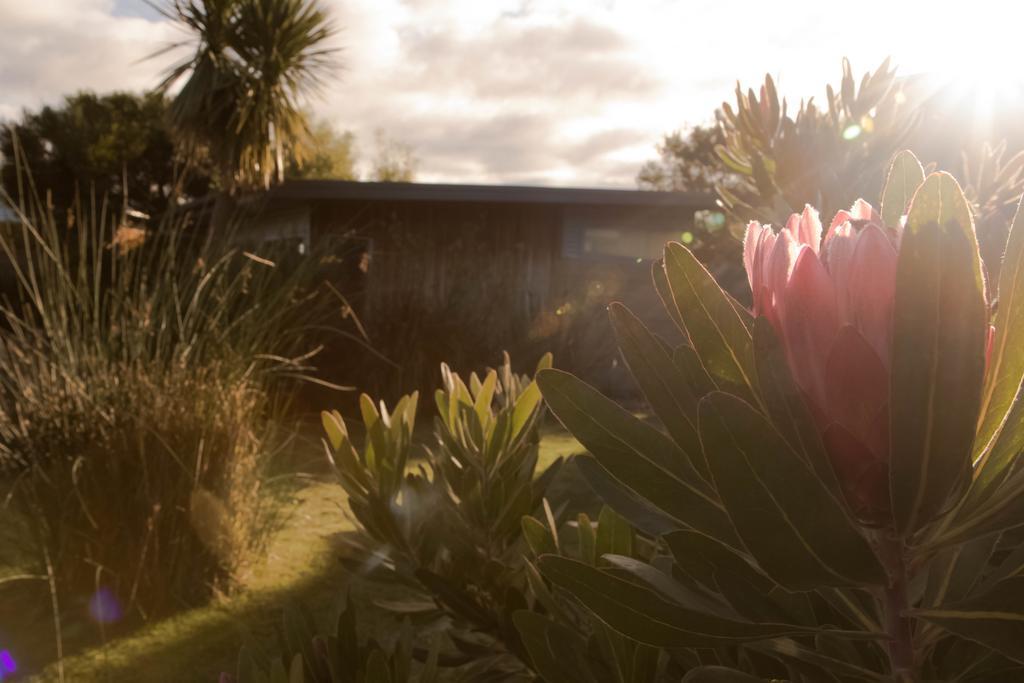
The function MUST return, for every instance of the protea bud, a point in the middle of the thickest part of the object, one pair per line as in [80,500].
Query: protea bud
[831,303]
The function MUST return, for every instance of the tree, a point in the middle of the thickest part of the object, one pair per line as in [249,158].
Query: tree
[331,155]
[395,161]
[115,145]
[686,162]
[254,62]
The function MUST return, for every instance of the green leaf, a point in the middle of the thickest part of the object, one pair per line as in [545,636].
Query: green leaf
[485,396]
[545,362]
[797,531]
[334,426]
[938,353]
[665,387]
[377,668]
[661,286]
[994,619]
[786,407]
[299,631]
[718,674]
[614,534]
[537,536]
[636,454]
[548,645]
[623,500]
[1000,435]
[588,538]
[526,405]
[640,613]
[685,358]
[905,176]
[716,330]
[814,663]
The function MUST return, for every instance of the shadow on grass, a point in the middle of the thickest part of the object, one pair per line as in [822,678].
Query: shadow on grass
[302,563]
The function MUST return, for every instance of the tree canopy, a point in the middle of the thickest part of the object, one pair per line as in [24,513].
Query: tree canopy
[116,145]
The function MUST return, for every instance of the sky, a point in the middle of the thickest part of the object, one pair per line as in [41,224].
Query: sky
[548,92]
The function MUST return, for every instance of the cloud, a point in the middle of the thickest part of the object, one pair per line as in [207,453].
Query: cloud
[49,48]
[547,91]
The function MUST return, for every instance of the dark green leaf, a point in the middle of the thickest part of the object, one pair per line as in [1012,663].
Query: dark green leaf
[640,613]
[636,454]
[994,619]
[614,534]
[1000,435]
[719,674]
[715,329]
[377,668]
[688,362]
[626,502]
[537,536]
[795,529]
[665,294]
[666,388]
[938,353]
[548,645]
[588,538]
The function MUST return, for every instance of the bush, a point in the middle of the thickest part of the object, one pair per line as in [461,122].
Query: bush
[768,554]
[137,400]
[450,530]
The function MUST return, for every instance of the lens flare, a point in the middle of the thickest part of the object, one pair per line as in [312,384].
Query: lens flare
[104,607]
[7,664]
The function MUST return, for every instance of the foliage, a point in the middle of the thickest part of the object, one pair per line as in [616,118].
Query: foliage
[92,144]
[564,640]
[338,658]
[137,401]
[450,529]
[328,155]
[394,161]
[826,157]
[253,63]
[759,560]
[687,162]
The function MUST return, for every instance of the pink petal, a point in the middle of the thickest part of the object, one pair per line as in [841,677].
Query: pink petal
[857,386]
[871,289]
[810,228]
[793,224]
[759,270]
[809,322]
[750,239]
[841,217]
[781,261]
[837,256]
[862,211]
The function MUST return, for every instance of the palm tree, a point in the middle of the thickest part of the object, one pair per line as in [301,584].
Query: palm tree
[254,64]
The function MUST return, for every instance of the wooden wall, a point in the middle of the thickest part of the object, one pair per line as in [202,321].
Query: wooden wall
[462,282]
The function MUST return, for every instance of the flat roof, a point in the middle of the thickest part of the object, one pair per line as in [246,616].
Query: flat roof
[494,194]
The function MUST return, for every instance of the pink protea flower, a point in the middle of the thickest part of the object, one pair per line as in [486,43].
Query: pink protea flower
[831,303]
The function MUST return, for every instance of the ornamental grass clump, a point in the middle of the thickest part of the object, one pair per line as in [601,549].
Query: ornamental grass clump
[835,491]
[138,405]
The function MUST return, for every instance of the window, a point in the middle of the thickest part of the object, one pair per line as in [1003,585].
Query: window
[639,234]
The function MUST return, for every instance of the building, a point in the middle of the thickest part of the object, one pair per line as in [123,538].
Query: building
[459,268]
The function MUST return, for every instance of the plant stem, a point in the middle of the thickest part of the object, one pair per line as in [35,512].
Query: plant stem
[897,626]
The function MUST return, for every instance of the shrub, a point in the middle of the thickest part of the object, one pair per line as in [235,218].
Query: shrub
[450,529]
[888,554]
[346,656]
[137,403]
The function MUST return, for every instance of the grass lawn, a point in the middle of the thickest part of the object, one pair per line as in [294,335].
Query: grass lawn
[301,563]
